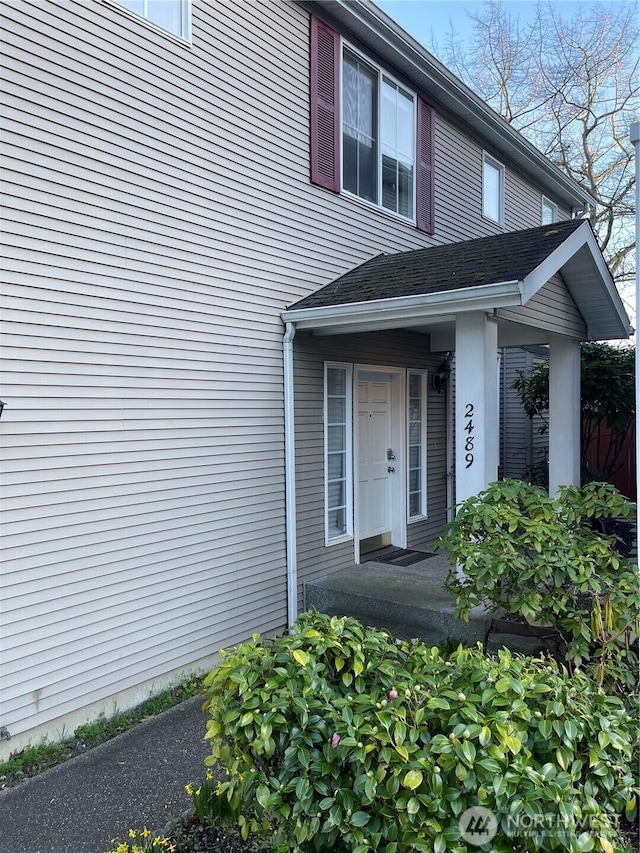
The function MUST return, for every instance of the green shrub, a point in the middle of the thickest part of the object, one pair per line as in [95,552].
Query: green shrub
[542,558]
[336,736]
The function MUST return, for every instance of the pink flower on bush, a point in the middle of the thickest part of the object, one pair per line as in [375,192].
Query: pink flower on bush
[335,740]
[393,694]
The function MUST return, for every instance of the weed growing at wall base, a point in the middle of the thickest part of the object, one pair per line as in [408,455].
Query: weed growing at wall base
[33,760]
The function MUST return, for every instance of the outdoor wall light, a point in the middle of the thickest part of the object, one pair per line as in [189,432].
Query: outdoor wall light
[1,407]
[441,377]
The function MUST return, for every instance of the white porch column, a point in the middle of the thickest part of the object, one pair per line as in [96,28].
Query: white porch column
[564,413]
[477,425]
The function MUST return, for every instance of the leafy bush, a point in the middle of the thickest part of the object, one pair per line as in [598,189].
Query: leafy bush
[336,736]
[542,558]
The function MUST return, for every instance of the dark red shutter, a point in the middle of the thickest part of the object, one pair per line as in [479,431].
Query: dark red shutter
[325,105]
[424,177]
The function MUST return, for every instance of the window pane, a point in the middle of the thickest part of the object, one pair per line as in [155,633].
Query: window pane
[416,447]
[337,473]
[414,456]
[134,5]
[336,410]
[335,438]
[492,191]
[337,494]
[337,522]
[397,149]
[415,410]
[405,190]
[406,133]
[389,129]
[166,14]
[336,381]
[336,466]
[549,212]
[359,129]
[389,183]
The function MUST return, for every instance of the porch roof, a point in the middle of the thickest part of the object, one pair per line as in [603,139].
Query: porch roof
[489,273]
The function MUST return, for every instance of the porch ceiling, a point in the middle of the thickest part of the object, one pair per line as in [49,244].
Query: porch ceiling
[424,289]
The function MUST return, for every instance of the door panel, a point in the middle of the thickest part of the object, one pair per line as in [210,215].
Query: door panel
[374,438]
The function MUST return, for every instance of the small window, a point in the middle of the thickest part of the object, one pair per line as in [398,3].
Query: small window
[337,453]
[549,211]
[417,445]
[493,189]
[170,15]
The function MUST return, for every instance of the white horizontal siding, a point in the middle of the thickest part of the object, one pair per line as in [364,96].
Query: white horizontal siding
[157,218]
[516,426]
[552,309]
[522,443]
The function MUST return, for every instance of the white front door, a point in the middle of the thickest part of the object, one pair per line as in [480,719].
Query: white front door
[374,449]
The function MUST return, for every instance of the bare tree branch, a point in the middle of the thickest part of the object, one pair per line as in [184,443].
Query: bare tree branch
[570,85]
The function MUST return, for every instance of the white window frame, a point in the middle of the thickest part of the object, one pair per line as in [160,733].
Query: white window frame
[488,160]
[185,19]
[552,207]
[381,72]
[348,534]
[423,375]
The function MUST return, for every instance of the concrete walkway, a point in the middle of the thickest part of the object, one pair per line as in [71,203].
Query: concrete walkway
[134,780]
[407,601]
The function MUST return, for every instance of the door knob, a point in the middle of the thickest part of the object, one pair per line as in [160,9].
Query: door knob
[391,469]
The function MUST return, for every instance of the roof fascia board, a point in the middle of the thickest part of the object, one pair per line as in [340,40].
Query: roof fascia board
[384,324]
[485,297]
[538,277]
[581,237]
[450,87]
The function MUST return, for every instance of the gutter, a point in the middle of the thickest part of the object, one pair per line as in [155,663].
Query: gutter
[484,297]
[290,475]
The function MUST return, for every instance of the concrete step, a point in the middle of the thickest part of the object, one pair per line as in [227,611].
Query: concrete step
[409,602]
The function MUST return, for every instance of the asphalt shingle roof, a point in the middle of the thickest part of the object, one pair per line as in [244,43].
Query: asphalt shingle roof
[471,263]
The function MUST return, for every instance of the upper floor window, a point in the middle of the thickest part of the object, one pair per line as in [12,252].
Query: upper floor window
[549,211]
[492,189]
[370,136]
[171,15]
[378,137]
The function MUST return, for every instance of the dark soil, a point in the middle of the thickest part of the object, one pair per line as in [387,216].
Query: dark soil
[191,836]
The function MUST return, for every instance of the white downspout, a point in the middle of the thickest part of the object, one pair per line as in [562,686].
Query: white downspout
[290,475]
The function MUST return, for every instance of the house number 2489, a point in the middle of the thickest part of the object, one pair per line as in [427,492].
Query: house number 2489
[468,428]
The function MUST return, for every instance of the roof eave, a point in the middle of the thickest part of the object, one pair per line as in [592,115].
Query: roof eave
[404,310]
[375,28]
[601,325]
